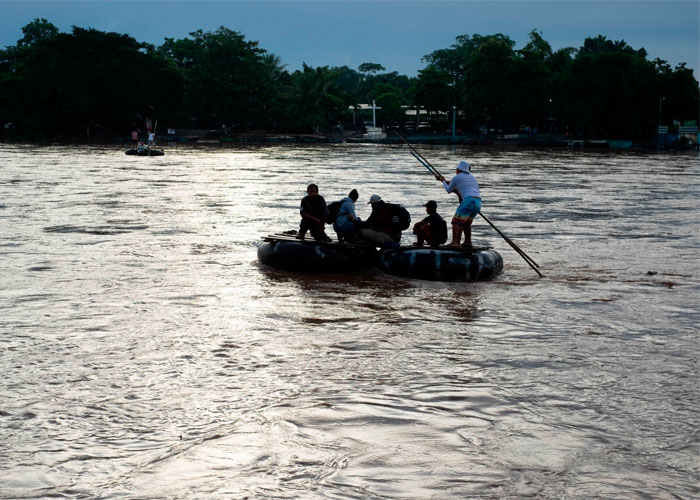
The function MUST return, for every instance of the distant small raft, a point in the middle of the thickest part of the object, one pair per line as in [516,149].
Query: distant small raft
[312,256]
[442,264]
[144,152]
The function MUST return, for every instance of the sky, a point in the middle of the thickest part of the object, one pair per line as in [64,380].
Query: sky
[395,34]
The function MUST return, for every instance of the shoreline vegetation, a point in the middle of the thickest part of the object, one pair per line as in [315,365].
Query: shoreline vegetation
[91,86]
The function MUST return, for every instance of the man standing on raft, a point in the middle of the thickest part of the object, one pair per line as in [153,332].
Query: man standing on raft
[467,188]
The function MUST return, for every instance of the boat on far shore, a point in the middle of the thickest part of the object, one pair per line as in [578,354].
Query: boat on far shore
[144,152]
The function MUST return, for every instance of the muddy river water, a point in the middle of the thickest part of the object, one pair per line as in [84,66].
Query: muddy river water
[145,353]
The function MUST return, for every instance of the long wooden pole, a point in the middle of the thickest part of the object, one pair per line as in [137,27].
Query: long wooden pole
[515,247]
[525,256]
[417,154]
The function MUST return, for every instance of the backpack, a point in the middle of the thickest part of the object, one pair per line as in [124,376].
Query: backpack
[399,216]
[440,233]
[333,209]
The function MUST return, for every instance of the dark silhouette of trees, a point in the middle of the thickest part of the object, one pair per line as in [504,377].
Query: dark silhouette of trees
[36,31]
[370,68]
[604,89]
[229,81]
[317,101]
[92,83]
[433,90]
[82,83]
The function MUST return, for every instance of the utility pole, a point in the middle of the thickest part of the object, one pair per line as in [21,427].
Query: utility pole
[659,129]
[454,121]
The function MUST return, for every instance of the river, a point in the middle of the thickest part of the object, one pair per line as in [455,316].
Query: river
[147,354]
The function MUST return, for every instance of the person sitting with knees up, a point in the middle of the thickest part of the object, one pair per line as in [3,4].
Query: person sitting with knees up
[432,229]
[344,226]
[313,212]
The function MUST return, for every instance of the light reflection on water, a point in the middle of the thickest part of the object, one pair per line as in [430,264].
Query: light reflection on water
[147,354]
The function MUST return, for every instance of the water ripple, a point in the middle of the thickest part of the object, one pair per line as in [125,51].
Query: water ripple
[146,353]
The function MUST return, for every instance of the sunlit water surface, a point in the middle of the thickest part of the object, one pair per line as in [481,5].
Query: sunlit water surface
[146,354]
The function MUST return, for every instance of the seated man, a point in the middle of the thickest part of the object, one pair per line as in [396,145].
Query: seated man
[380,228]
[344,226]
[313,212]
[432,229]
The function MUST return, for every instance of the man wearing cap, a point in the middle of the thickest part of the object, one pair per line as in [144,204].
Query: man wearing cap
[467,188]
[432,229]
[379,228]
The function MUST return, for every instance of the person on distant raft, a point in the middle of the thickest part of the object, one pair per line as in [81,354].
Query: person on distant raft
[432,229]
[379,228]
[151,139]
[344,224]
[467,187]
[313,212]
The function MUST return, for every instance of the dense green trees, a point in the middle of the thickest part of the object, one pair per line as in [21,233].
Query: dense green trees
[82,83]
[605,89]
[316,101]
[228,81]
[89,82]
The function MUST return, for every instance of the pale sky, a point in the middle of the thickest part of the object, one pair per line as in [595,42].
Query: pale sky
[395,34]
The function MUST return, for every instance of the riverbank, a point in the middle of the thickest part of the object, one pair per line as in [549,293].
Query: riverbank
[504,141]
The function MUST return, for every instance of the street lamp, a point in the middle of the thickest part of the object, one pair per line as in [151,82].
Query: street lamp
[659,130]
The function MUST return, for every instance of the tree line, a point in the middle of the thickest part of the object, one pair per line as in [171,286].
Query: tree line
[89,82]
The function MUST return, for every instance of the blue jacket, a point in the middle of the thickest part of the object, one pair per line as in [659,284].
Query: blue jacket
[346,208]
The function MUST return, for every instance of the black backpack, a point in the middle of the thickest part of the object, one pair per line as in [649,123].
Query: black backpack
[440,233]
[333,209]
[399,216]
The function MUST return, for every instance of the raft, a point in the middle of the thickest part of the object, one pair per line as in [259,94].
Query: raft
[442,263]
[144,152]
[284,251]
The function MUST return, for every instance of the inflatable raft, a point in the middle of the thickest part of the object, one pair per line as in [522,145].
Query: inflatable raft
[145,152]
[284,251]
[442,264]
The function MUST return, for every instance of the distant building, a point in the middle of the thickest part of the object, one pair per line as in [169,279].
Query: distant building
[413,114]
